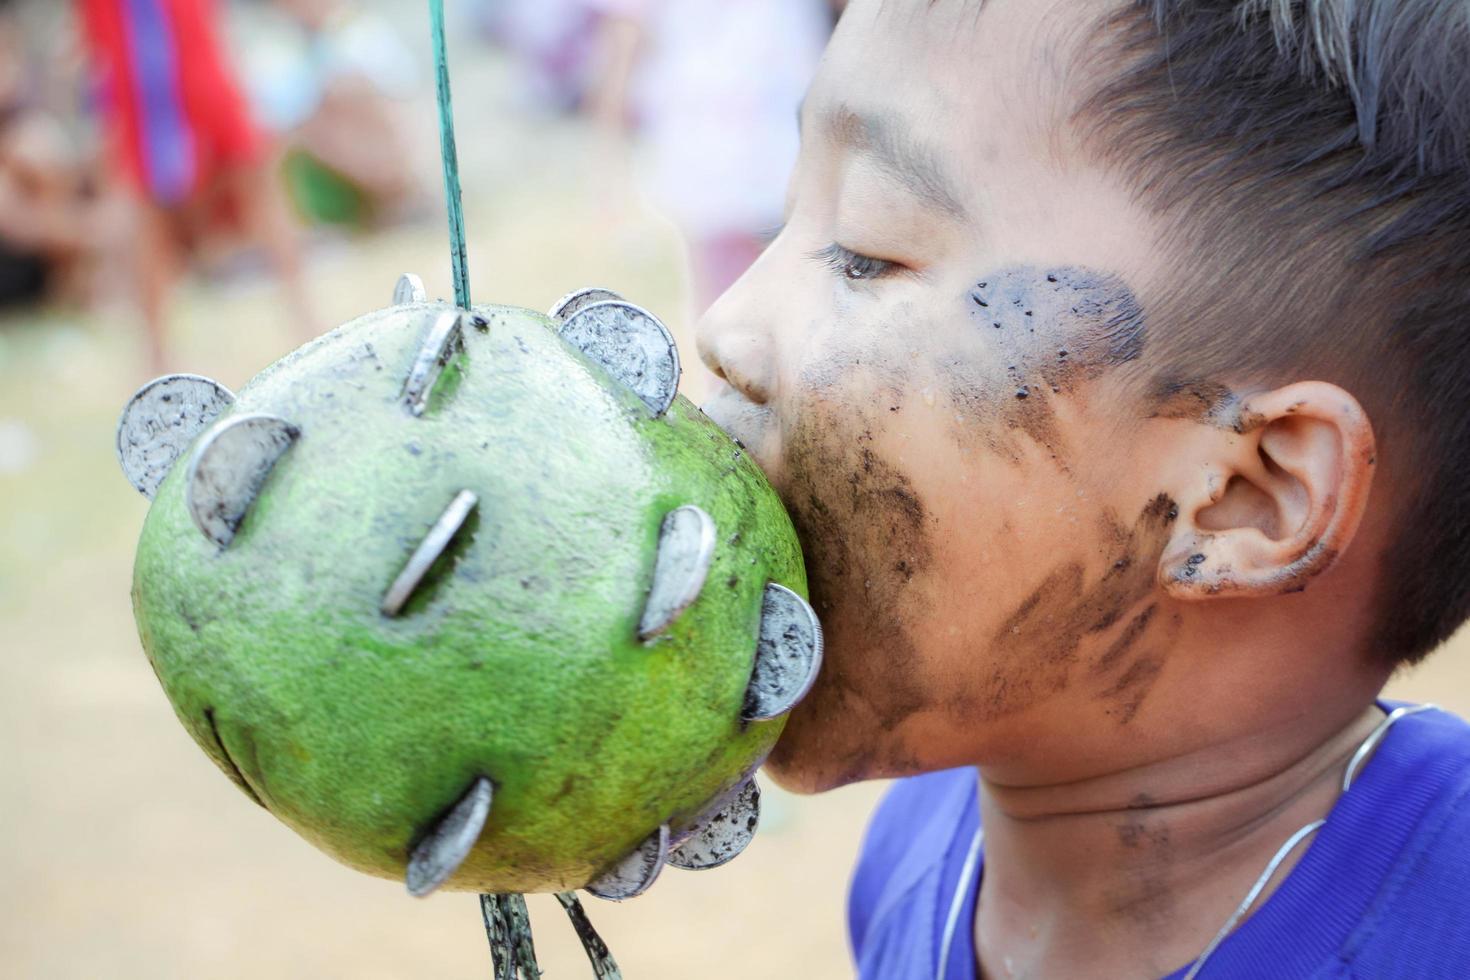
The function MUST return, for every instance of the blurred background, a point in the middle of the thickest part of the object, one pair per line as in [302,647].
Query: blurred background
[202,185]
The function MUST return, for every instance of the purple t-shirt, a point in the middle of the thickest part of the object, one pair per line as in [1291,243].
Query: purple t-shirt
[1382,891]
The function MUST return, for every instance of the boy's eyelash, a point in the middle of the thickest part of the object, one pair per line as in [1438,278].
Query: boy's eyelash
[851,265]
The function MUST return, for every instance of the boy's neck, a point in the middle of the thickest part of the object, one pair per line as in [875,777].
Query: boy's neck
[1131,874]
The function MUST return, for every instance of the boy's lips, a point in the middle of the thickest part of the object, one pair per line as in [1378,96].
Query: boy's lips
[743,420]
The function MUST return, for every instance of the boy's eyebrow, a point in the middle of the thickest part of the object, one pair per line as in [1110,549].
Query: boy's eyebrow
[888,142]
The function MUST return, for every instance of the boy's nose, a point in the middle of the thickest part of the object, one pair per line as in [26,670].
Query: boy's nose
[735,345]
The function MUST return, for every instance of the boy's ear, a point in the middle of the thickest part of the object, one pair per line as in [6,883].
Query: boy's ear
[1280,499]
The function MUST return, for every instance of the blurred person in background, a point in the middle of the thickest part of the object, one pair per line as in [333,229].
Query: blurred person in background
[712,87]
[50,215]
[334,87]
[554,43]
[180,139]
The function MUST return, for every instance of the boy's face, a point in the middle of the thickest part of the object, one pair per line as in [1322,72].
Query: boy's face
[929,363]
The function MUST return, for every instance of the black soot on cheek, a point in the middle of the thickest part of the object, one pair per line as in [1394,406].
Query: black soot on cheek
[864,529]
[1035,335]
[1196,400]
[1036,652]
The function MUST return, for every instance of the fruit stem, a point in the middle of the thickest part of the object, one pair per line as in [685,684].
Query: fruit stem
[508,926]
[603,965]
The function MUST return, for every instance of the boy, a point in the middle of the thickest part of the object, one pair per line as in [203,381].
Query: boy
[1092,327]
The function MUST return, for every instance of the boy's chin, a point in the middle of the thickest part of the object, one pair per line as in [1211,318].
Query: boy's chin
[794,778]
[810,760]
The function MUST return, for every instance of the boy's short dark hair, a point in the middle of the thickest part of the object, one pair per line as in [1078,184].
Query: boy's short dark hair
[1314,159]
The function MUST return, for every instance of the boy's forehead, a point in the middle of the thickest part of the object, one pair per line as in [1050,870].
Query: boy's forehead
[959,80]
[969,110]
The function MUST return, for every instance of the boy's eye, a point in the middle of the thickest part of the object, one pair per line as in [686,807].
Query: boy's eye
[850,265]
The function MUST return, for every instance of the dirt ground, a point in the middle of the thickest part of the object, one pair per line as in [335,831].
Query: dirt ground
[125,854]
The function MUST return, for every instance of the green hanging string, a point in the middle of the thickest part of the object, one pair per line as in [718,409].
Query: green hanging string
[452,195]
[507,922]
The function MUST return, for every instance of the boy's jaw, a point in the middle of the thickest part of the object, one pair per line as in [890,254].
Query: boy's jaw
[865,532]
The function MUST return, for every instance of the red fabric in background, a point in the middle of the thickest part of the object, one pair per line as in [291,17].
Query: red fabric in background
[213,109]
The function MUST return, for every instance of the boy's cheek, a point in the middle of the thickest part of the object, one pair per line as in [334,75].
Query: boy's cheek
[935,458]
[940,566]
[881,500]
[1031,340]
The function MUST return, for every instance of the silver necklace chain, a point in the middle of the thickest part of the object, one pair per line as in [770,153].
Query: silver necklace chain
[1349,774]
[972,859]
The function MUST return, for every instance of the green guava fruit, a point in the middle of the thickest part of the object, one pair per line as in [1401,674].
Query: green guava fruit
[472,597]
